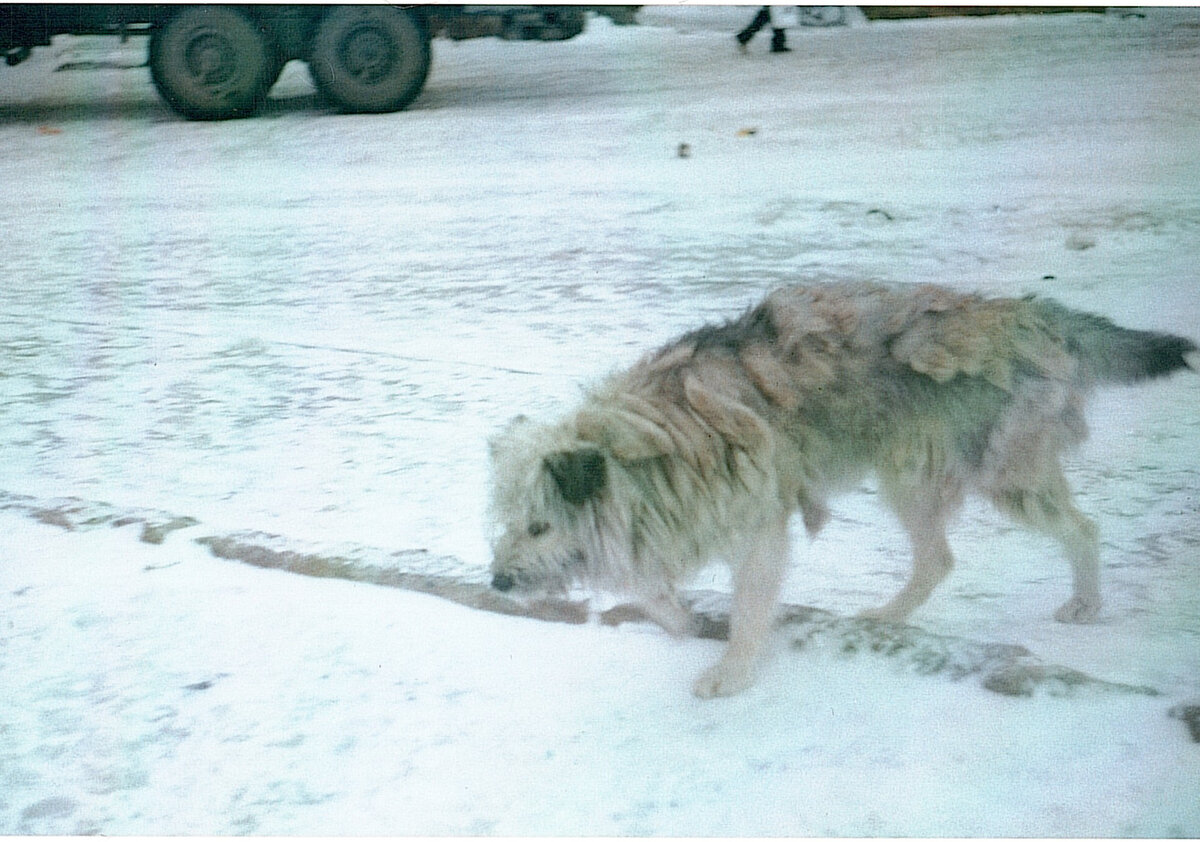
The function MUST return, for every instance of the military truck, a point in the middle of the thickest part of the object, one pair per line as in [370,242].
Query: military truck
[218,61]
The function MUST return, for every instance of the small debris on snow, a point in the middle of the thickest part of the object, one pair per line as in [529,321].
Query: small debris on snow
[1189,714]
[206,683]
[1080,242]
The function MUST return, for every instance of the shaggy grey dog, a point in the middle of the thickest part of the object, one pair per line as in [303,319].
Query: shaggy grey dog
[703,449]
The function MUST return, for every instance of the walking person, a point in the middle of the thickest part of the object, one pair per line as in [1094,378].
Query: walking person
[776,16]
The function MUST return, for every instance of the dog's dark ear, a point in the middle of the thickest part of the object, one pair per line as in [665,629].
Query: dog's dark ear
[579,474]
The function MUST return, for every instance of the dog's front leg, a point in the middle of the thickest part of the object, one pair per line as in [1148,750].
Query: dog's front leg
[665,609]
[756,583]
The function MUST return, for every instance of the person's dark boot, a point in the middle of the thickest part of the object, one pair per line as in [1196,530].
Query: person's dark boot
[779,41]
[761,19]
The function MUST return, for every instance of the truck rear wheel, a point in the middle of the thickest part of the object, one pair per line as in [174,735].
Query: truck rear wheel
[212,63]
[370,58]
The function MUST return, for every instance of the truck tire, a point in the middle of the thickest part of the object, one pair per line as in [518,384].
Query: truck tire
[212,63]
[370,58]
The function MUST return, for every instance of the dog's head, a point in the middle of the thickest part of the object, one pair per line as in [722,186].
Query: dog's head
[548,491]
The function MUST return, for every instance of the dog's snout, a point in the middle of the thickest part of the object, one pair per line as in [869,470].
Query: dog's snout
[503,582]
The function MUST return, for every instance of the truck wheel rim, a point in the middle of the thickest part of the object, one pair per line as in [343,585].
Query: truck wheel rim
[210,60]
[367,54]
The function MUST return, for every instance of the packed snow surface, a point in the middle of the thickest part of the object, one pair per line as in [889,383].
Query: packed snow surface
[308,324]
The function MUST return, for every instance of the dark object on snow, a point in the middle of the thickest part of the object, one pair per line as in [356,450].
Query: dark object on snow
[1190,715]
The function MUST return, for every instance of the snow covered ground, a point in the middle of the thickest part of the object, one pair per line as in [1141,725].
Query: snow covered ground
[307,324]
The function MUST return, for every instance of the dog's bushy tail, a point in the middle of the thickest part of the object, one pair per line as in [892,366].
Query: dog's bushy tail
[1109,353]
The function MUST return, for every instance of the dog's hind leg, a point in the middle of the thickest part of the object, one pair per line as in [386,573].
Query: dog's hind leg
[756,583]
[1048,508]
[922,509]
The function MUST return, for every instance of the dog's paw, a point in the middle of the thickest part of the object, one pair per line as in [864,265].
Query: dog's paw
[667,611]
[1078,609]
[677,624]
[723,679]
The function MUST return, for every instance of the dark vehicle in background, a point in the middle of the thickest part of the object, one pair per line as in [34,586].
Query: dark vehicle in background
[214,62]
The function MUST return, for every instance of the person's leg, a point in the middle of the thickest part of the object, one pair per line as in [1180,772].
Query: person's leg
[761,19]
